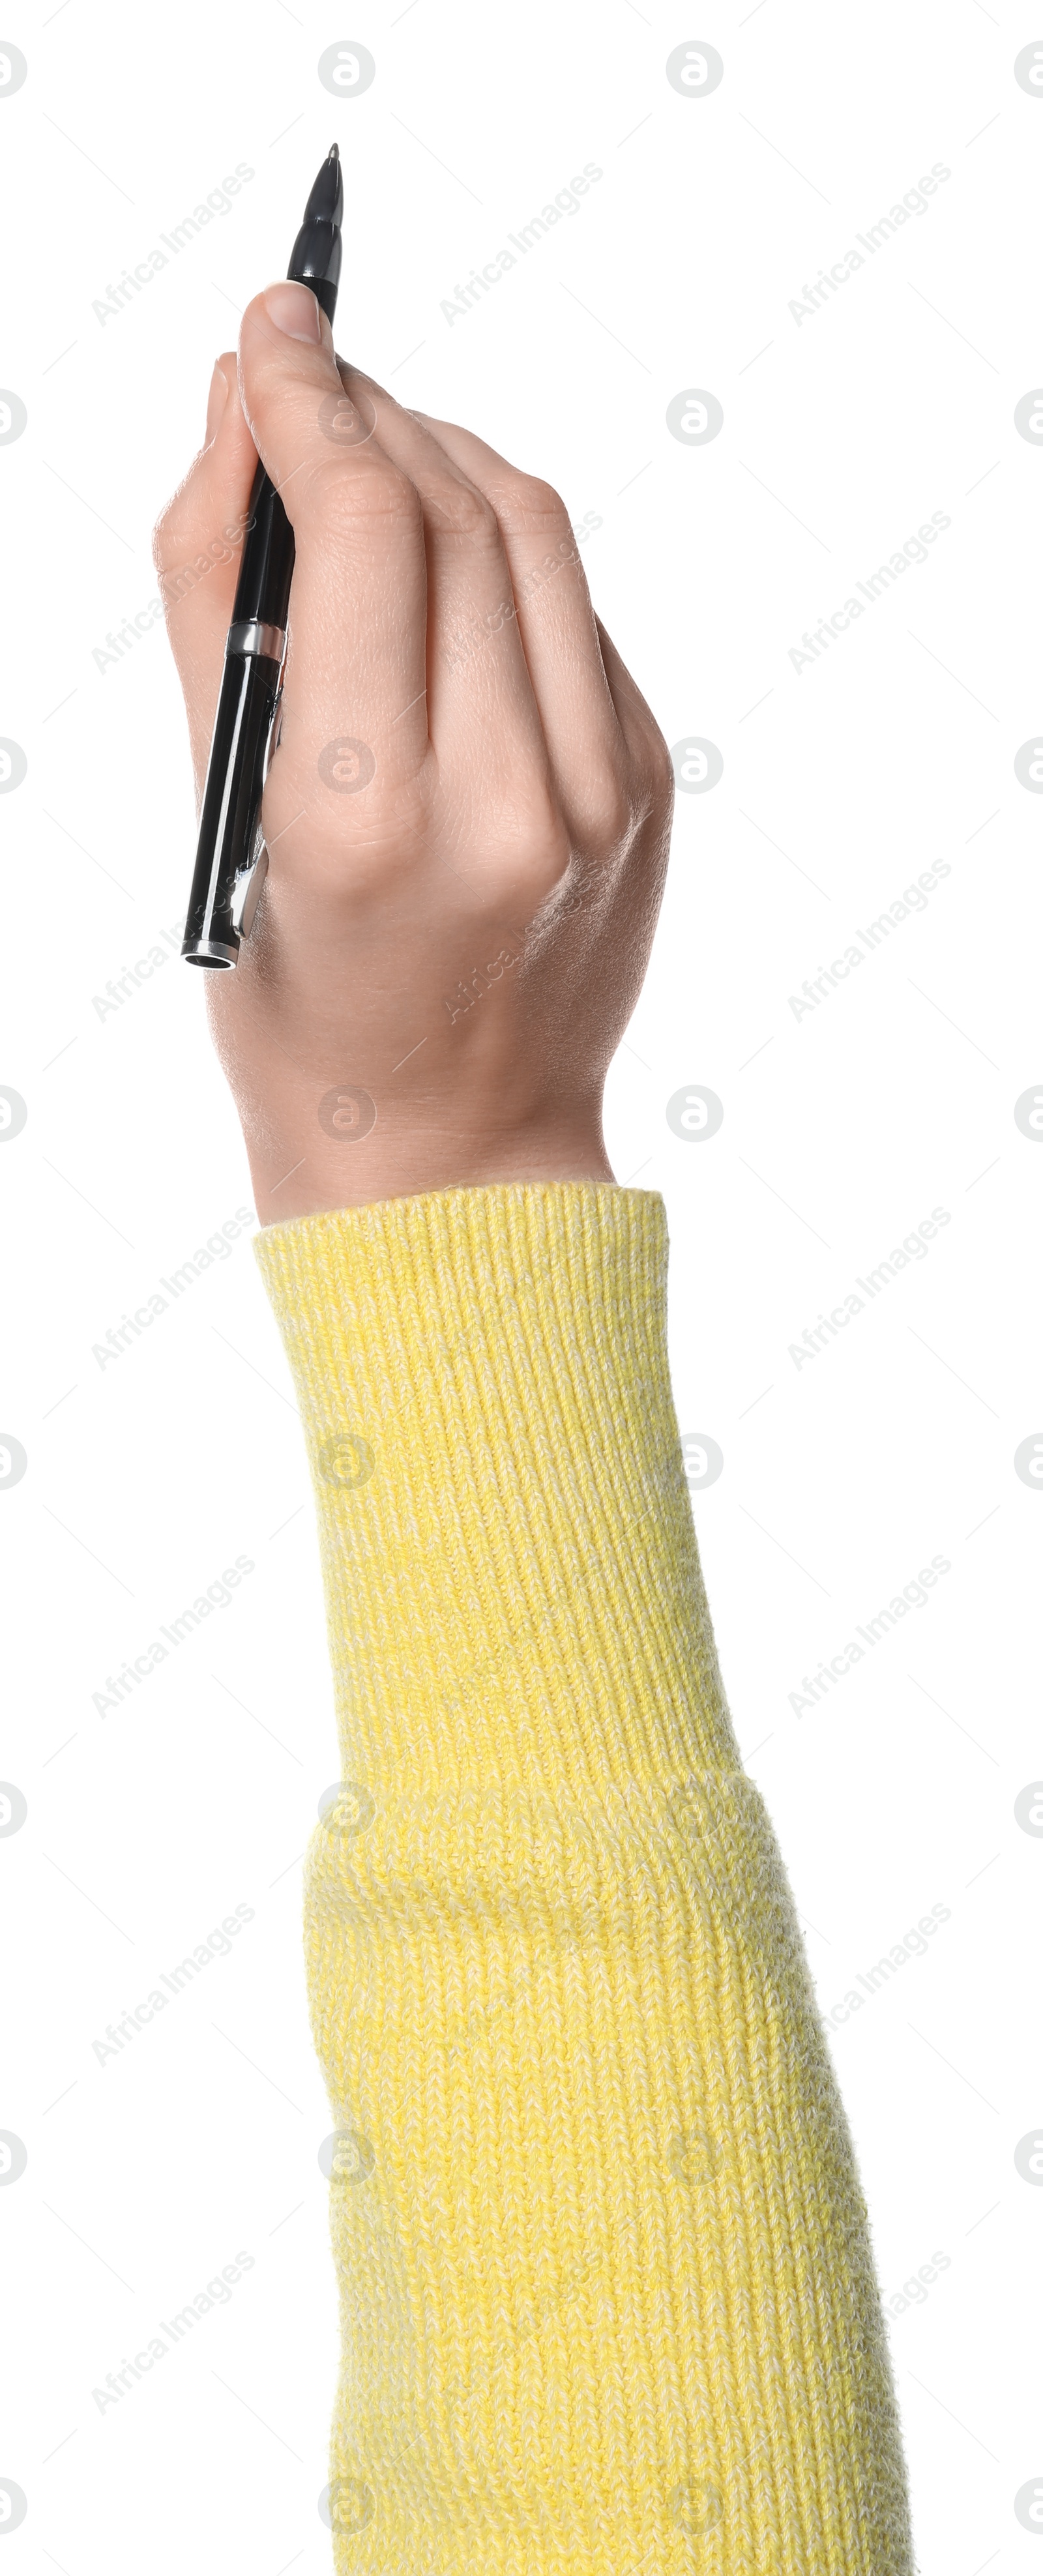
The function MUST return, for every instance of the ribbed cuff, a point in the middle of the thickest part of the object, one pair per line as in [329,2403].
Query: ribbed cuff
[484,1387]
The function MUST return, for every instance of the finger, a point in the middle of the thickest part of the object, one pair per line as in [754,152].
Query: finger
[636,720]
[480,694]
[196,546]
[355,659]
[557,626]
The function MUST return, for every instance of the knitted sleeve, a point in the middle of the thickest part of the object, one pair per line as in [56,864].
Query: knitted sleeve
[607,2293]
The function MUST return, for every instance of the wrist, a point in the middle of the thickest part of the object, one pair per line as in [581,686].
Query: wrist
[415,1162]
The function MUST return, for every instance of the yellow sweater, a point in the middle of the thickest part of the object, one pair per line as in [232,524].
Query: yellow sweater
[607,2292]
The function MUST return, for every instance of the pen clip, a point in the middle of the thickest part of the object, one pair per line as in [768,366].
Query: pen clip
[247,888]
[246,891]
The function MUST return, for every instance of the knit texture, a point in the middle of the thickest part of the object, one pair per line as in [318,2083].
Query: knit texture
[607,2293]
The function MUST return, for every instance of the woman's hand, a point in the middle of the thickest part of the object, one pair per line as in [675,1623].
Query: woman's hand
[467,814]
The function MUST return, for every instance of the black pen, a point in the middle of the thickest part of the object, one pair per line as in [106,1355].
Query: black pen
[231,859]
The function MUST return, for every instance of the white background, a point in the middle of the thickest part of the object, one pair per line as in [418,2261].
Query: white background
[842,1129]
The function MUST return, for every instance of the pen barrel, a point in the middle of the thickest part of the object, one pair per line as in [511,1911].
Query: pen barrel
[231,801]
[230,855]
[266,570]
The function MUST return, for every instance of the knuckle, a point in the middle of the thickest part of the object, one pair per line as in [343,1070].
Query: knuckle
[344,494]
[611,815]
[603,806]
[659,769]
[169,534]
[462,511]
[349,855]
[526,506]
[540,863]
[192,536]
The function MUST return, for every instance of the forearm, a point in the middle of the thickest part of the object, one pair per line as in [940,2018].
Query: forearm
[605,2279]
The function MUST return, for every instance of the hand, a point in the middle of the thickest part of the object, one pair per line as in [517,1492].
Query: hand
[467,813]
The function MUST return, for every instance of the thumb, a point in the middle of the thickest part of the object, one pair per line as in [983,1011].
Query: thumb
[316,440]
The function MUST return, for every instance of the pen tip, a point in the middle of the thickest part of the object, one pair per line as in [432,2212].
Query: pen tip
[326,201]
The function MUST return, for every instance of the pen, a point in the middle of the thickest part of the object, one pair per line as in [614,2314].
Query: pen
[231,859]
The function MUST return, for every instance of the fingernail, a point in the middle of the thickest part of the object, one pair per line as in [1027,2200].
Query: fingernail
[215,401]
[294,310]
